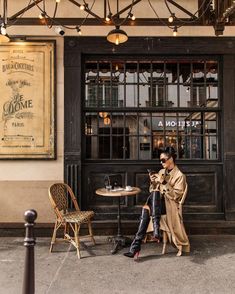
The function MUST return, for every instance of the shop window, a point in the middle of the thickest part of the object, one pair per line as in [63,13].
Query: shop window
[133,109]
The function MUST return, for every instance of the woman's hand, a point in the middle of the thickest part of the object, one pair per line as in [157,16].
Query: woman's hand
[155,178]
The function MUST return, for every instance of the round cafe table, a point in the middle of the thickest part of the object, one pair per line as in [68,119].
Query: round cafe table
[119,240]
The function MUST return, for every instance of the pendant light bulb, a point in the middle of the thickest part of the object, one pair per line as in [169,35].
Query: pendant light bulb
[171,18]
[108,17]
[41,15]
[117,40]
[132,16]
[175,31]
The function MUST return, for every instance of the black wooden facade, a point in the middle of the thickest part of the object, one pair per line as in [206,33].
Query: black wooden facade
[211,185]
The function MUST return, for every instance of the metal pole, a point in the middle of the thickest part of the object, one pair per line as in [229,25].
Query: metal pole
[119,217]
[29,243]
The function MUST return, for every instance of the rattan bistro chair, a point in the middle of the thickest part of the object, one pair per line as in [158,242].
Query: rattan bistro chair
[69,221]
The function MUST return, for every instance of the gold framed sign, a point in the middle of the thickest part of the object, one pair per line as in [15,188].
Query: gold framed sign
[27,100]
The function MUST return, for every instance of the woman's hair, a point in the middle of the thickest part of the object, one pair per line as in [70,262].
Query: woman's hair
[170,152]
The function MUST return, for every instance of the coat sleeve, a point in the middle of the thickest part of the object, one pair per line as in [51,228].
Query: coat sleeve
[155,186]
[174,191]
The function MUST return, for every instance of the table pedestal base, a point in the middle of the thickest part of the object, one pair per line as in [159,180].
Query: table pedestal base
[119,243]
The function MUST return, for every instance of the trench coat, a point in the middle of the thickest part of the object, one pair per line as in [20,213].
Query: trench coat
[172,188]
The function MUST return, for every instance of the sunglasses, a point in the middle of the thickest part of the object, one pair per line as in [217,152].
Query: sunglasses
[164,160]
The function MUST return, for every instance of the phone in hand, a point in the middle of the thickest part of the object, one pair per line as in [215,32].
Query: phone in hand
[150,171]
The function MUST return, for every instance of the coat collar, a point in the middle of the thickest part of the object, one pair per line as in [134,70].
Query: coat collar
[173,171]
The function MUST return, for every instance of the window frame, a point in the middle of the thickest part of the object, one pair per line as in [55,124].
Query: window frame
[160,109]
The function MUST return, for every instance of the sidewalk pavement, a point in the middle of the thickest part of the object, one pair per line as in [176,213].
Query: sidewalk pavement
[209,268]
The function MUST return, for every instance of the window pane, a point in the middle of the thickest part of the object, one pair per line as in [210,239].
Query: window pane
[132,123]
[104,123]
[144,124]
[158,69]
[211,139]
[117,122]
[197,146]
[144,83]
[211,123]
[144,72]
[92,147]
[133,142]
[144,95]
[192,147]
[191,122]
[158,131]
[198,84]
[212,83]
[184,94]
[132,95]
[184,147]
[157,143]
[171,71]
[182,153]
[145,147]
[131,84]
[104,146]
[159,94]
[171,123]
[91,123]
[172,100]
[118,147]
[211,144]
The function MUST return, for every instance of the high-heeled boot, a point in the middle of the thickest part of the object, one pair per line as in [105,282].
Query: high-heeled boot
[143,225]
[156,213]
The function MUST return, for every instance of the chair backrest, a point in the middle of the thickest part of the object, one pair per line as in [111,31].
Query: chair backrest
[184,195]
[58,195]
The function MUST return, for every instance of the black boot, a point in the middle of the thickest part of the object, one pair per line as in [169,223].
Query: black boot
[143,225]
[156,213]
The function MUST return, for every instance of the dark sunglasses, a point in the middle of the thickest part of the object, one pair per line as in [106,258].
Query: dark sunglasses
[164,160]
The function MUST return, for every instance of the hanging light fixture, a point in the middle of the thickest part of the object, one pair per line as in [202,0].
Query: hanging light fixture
[4,38]
[117,36]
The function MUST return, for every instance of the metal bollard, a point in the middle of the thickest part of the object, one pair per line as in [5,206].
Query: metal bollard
[29,243]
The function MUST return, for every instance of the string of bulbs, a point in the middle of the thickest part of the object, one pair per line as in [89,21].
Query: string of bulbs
[115,36]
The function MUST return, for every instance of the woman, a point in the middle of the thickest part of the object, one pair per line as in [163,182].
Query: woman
[167,188]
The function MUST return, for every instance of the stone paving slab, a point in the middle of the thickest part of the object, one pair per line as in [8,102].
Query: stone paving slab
[209,268]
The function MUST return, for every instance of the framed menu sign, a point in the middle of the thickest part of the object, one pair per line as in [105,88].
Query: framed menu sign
[27,100]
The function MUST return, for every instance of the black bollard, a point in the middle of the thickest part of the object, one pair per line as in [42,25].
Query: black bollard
[29,243]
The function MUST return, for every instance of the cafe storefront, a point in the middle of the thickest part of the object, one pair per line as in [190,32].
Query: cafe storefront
[125,104]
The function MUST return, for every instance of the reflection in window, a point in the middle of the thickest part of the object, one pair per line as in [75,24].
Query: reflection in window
[103,93]
[135,108]
[194,135]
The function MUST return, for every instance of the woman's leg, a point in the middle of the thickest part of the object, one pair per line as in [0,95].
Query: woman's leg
[143,225]
[155,207]
[164,242]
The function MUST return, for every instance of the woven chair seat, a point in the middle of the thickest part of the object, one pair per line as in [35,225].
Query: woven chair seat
[60,194]
[78,216]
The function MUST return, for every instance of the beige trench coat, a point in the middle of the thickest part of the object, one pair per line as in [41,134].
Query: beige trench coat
[172,222]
